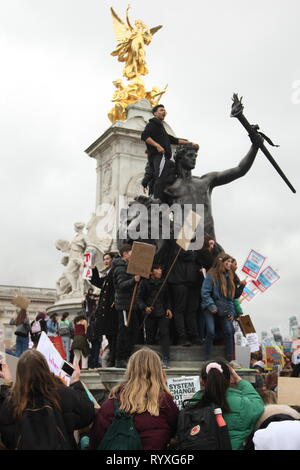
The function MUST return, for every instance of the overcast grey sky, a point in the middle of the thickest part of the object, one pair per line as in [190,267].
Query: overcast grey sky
[56,84]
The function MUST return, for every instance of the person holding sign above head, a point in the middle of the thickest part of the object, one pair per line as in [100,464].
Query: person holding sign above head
[41,413]
[157,310]
[217,294]
[124,285]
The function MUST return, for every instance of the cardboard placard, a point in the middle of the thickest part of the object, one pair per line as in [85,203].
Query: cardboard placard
[21,302]
[288,391]
[188,230]
[141,259]
[246,325]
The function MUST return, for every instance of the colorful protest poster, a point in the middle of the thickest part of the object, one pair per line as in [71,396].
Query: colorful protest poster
[253,264]
[250,291]
[183,388]
[266,279]
[273,356]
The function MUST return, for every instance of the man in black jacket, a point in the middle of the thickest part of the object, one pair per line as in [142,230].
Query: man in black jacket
[106,314]
[158,143]
[124,284]
[158,314]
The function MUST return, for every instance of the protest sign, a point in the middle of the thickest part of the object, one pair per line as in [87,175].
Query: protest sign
[294,327]
[87,273]
[183,388]
[53,358]
[266,279]
[250,291]
[90,258]
[21,302]
[273,356]
[253,264]
[242,356]
[246,325]
[288,391]
[252,341]
[287,346]
[141,259]
[277,335]
[188,230]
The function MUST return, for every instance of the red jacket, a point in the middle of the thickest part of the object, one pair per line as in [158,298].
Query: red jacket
[155,431]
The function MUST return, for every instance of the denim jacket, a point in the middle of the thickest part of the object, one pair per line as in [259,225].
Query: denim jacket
[210,292]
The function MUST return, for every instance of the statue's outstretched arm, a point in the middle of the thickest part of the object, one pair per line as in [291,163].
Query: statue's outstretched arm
[219,178]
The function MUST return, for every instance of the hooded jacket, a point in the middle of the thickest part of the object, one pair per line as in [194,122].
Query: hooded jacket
[246,407]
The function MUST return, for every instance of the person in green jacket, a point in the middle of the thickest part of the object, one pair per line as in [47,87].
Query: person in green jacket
[240,403]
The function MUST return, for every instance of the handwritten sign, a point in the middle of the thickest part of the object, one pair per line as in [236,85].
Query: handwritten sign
[87,274]
[183,388]
[252,341]
[253,264]
[90,258]
[266,279]
[53,358]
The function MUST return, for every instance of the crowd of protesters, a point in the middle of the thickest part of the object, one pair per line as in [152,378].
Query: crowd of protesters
[39,412]
[197,305]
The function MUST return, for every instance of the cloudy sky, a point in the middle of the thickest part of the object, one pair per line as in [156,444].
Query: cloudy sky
[55,89]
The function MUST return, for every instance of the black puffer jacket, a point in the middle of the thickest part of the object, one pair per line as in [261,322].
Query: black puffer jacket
[123,283]
[106,314]
[76,408]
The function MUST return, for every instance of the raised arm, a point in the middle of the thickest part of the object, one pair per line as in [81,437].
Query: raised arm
[219,178]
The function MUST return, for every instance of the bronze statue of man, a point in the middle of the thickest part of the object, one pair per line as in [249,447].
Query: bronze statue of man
[189,189]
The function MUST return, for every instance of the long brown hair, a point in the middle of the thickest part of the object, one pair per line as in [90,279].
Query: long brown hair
[21,316]
[144,384]
[33,380]
[217,272]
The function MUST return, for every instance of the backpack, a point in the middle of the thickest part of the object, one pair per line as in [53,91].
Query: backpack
[64,328]
[121,434]
[41,429]
[198,428]
[36,327]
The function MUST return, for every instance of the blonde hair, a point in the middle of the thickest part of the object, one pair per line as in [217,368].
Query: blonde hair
[144,384]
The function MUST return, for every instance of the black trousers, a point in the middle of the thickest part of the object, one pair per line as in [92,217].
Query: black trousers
[93,360]
[185,307]
[158,324]
[127,335]
[112,344]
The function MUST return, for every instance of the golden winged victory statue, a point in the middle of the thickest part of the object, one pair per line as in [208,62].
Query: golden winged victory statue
[131,42]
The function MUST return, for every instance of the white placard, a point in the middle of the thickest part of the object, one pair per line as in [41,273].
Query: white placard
[53,358]
[183,388]
[87,274]
[252,341]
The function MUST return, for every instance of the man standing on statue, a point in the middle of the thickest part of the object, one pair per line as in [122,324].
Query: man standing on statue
[159,150]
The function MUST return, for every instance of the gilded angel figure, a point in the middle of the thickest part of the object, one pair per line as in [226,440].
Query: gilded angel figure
[131,43]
